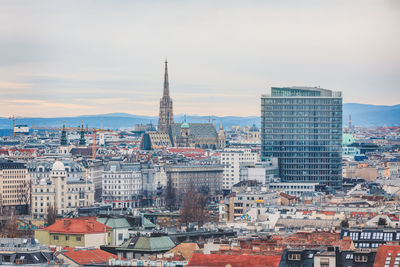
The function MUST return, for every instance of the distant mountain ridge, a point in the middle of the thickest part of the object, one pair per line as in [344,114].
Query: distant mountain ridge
[361,114]
[371,115]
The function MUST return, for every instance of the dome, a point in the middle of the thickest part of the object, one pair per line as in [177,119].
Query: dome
[348,139]
[58,166]
[185,125]
[43,181]
[253,128]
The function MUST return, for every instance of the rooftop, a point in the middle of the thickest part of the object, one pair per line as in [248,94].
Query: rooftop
[87,256]
[198,259]
[77,226]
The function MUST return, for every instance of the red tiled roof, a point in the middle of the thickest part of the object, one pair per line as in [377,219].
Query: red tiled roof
[243,260]
[393,217]
[87,256]
[383,253]
[23,150]
[289,197]
[77,226]
[346,243]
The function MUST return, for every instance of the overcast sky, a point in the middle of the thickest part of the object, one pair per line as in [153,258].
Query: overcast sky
[67,58]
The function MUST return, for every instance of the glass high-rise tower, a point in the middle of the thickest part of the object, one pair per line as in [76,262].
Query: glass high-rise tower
[302,127]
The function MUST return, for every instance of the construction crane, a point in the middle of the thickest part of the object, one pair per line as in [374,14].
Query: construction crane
[78,129]
[210,119]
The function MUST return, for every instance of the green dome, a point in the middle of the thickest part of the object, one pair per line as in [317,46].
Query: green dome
[348,139]
[185,125]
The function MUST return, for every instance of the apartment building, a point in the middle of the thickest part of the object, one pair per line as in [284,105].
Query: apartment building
[233,159]
[14,185]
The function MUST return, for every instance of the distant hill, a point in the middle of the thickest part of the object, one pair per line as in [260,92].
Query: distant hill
[371,115]
[361,115]
[126,121]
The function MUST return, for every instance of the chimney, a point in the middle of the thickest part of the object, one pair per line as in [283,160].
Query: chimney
[67,222]
[91,225]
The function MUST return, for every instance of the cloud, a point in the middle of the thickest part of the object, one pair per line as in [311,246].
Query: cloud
[222,55]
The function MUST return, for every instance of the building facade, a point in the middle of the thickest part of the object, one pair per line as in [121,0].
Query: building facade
[262,172]
[122,185]
[14,185]
[75,232]
[63,193]
[166,116]
[232,159]
[204,178]
[199,135]
[302,126]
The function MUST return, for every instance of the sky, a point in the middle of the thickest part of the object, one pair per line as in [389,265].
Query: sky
[69,58]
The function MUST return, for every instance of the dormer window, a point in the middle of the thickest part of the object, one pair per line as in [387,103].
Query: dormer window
[294,256]
[361,258]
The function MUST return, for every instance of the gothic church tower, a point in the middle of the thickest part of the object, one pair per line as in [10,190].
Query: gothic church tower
[166,116]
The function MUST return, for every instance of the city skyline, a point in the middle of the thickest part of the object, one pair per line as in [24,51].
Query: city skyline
[59,60]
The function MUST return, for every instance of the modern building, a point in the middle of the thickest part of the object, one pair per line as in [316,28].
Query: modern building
[263,172]
[232,159]
[63,193]
[14,185]
[296,189]
[302,126]
[238,205]
[166,116]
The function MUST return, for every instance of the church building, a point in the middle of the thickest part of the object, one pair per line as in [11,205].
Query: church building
[201,135]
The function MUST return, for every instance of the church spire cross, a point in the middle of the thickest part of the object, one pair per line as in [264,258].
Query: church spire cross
[166,83]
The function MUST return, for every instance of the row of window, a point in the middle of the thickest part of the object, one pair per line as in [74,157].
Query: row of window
[301,101]
[77,238]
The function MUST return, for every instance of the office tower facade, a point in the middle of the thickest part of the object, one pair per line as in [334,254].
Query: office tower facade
[302,127]
[166,116]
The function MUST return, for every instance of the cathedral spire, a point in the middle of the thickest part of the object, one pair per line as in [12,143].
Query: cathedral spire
[64,141]
[166,83]
[82,140]
[166,116]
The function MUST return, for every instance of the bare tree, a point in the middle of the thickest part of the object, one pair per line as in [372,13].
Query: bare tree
[194,208]
[51,215]
[11,226]
[170,196]
[24,197]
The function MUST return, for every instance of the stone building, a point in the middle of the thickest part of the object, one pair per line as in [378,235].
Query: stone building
[204,178]
[152,140]
[201,135]
[63,193]
[122,185]
[221,137]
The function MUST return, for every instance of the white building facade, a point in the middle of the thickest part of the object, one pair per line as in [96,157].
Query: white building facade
[122,187]
[232,159]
